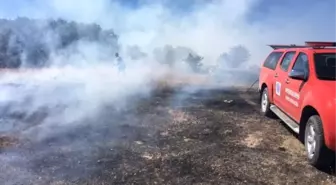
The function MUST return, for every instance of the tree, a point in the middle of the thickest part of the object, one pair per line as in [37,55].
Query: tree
[33,40]
[172,55]
[194,61]
[236,56]
[135,52]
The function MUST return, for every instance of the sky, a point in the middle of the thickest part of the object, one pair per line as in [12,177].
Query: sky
[207,26]
[262,9]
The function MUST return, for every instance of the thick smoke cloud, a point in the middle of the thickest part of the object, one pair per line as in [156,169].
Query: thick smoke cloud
[82,93]
[209,28]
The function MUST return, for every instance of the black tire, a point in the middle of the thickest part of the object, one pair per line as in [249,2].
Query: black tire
[322,156]
[265,106]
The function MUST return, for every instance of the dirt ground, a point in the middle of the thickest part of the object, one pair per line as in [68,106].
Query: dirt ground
[210,137]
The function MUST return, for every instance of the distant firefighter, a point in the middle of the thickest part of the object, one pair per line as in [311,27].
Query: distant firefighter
[120,63]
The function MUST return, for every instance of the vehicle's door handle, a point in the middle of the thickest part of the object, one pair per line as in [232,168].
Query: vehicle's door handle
[287,81]
[276,75]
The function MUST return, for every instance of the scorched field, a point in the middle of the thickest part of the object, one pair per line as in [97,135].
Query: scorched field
[204,137]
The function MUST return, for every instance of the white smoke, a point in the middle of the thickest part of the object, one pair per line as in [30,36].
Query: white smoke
[86,85]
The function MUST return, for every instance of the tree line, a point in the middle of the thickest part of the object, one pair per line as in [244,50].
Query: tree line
[30,42]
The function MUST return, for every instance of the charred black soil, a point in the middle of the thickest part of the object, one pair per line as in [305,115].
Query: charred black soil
[210,137]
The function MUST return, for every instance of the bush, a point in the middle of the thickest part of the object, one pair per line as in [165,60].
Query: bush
[172,55]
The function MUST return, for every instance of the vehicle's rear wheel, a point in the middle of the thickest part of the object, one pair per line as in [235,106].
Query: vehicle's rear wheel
[318,154]
[265,104]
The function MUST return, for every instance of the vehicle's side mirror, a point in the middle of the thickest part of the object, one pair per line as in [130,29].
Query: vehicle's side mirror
[298,75]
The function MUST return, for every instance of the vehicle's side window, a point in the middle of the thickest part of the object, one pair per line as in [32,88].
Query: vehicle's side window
[272,60]
[301,63]
[286,61]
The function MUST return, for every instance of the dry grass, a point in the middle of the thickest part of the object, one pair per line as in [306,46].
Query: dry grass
[253,139]
[6,141]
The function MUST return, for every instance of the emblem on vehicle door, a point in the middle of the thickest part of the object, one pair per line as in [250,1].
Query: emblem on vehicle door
[277,88]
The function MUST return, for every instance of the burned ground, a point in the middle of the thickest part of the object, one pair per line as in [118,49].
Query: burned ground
[210,137]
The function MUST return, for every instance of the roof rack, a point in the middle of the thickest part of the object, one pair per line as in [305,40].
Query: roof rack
[308,44]
[315,44]
[275,46]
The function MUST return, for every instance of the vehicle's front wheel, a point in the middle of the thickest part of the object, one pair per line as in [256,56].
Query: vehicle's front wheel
[265,104]
[318,154]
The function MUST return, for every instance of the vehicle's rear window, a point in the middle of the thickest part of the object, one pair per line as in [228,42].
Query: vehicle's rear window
[325,65]
[272,60]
